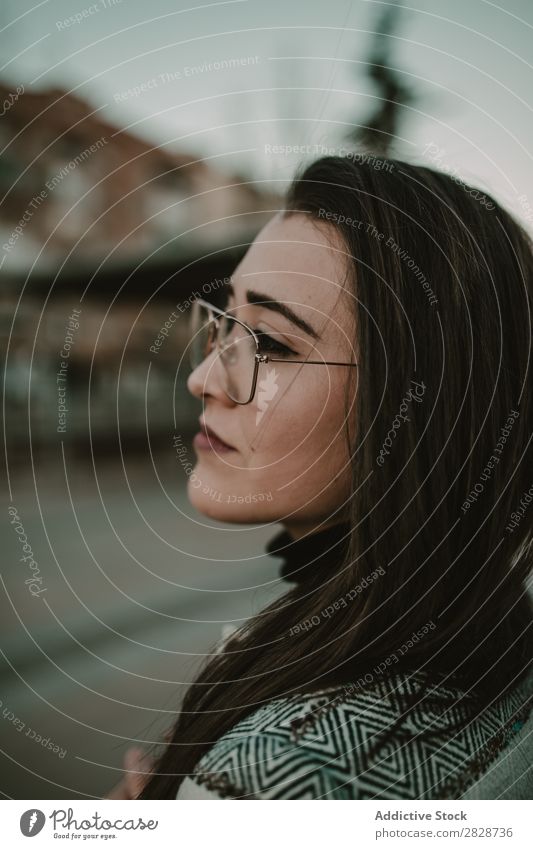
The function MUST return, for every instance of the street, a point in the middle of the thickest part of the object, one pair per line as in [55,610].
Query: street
[130,588]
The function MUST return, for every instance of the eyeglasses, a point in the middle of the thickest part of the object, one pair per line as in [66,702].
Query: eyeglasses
[238,347]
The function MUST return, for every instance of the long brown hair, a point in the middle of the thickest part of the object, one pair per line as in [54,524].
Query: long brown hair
[442,278]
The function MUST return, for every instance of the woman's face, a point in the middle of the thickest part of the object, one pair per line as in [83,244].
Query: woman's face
[289,461]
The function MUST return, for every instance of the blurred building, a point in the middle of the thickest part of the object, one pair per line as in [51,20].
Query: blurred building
[97,219]
[73,182]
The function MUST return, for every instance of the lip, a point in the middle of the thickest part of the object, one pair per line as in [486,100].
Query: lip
[208,440]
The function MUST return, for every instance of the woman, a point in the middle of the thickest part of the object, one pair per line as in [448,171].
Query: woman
[390,422]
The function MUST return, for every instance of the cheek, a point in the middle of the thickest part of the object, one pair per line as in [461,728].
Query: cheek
[301,427]
[308,458]
[291,461]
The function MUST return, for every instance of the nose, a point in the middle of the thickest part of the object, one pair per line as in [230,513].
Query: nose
[206,380]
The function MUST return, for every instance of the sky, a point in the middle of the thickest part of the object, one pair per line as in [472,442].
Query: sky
[241,82]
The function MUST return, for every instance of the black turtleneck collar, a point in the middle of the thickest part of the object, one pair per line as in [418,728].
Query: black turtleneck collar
[306,558]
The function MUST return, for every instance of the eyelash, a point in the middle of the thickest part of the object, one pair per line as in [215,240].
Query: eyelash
[268,345]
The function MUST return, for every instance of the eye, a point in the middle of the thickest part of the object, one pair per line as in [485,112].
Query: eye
[268,345]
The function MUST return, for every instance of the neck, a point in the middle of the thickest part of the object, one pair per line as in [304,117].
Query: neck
[312,551]
[297,530]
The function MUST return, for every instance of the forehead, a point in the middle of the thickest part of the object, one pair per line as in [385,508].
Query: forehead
[293,259]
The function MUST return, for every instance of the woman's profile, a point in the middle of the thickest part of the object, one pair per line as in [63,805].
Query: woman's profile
[366,385]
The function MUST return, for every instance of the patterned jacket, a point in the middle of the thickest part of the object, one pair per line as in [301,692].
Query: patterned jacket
[328,746]
[401,736]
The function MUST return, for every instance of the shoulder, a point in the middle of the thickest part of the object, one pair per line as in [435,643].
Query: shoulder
[388,738]
[264,756]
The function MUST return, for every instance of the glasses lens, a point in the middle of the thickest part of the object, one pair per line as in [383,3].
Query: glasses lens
[237,353]
[202,330]
[235,346]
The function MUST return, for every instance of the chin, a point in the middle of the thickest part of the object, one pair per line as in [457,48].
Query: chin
[239,508]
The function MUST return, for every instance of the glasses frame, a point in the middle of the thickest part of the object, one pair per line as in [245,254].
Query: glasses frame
[258,356]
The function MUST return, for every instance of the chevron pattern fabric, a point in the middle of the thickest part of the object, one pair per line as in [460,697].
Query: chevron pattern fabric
[364,743]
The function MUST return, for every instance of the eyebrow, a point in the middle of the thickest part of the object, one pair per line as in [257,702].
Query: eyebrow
[259,299]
